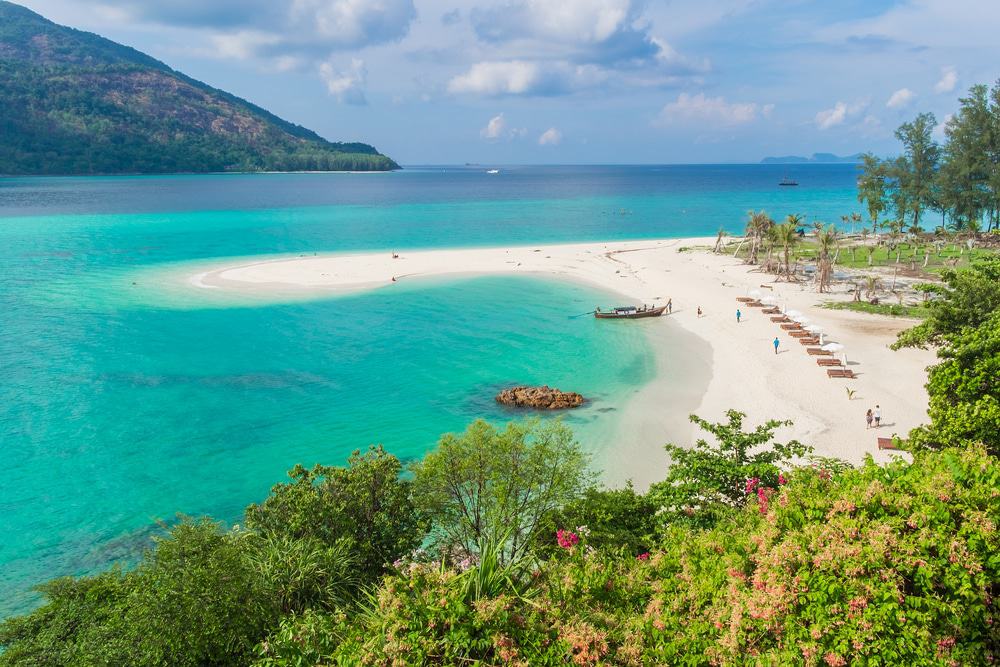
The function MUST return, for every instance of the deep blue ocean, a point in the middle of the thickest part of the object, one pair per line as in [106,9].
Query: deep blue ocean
[117,412]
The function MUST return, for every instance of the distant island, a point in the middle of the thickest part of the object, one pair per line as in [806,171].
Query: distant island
[817,158]
[72,102]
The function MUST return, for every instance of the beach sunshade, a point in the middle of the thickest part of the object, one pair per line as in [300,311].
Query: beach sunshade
[815,328]
[800,318]
[793,313]
[769,300]
[755,293]
[833,347]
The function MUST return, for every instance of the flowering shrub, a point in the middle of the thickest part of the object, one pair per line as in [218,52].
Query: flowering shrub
[880,565]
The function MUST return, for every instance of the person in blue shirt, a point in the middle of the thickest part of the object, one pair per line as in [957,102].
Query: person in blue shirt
[776,344]
[738,315]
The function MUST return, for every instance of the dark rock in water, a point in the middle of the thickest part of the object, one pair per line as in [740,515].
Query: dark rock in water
[540,398]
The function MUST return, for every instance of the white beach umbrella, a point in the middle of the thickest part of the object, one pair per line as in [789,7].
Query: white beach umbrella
[769,300]
[755,293]
[816,329]
[792,313]
[800,318]
[835,347]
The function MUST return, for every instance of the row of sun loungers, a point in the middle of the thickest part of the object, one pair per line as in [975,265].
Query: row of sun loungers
[833,367]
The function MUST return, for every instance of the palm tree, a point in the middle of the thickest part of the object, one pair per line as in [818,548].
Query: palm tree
[827,240]
[718,239]
[872,283]
[787,236]
[757,226]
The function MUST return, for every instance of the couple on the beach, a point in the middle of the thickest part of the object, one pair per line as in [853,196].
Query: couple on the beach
[875,416]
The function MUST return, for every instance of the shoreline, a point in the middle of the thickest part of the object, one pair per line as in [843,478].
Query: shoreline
[742,371]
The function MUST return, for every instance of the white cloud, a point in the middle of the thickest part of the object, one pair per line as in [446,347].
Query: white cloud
[518,77]
[714,110]
[497,78]
[348,86]
[840,112]
[948,81]
[269,28]
[550,137]
[495,128]
[900,98]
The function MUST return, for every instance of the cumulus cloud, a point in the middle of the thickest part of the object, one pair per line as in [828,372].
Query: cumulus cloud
[948,80]
[550,137]
[586,30]
[520,77]
[900,98]
[497,128]
[840,112]
[272,28]
[554,48]
[348,85]
[715,110]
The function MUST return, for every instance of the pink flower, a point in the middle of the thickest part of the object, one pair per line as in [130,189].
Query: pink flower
[643,556]
[752,484]
[781,479]
[566,538]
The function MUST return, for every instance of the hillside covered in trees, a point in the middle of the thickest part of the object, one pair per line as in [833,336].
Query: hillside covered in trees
[72,102]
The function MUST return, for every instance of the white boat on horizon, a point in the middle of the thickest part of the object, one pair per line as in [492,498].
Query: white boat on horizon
[492,171]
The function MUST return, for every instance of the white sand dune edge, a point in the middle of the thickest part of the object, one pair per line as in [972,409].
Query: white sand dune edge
[745,374]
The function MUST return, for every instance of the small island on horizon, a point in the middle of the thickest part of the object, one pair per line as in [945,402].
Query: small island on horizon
[75,103]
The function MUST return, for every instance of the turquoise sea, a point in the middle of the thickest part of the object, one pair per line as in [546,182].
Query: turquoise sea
[118,410]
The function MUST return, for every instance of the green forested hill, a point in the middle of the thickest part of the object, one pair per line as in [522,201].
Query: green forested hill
[72,102]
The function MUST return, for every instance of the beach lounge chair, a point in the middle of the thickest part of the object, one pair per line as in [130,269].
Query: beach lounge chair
[828,362]
[839,373]
[780,318]
[812,340]
[792,326]
[771,311]
[745,299]
[799,334]
[887,443]
[819,352]
[755,304]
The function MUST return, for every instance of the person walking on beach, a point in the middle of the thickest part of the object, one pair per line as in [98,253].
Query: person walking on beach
[869,417]
[699,311]
[670,306]
[776,344]
[877,415]
[738,315]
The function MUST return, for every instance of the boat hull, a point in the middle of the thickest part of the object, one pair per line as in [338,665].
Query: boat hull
[631,314]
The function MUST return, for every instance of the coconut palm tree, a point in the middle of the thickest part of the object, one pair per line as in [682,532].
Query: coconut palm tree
[757,226]
[787,236]
[827,240]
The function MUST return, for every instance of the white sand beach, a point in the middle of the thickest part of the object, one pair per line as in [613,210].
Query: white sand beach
[742,369]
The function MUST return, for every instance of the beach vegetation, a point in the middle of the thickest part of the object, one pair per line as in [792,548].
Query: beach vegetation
[490,481]
[703,482]
[365,507]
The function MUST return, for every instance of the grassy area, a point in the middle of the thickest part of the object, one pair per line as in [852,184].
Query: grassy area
[892,309]
[856,255]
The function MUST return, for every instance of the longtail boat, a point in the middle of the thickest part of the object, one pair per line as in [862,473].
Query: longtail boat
[628,313]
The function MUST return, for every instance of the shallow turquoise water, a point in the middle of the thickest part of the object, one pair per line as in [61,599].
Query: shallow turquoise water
[117,411]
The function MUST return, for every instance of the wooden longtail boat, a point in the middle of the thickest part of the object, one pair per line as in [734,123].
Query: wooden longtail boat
[628,313]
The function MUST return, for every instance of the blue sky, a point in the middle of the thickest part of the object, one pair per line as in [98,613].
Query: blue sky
[574,81]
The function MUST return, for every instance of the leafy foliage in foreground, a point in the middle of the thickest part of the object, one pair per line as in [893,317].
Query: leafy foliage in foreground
[895,565]
[75,103]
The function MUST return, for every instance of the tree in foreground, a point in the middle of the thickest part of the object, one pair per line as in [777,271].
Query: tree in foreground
[487,482]
[706,481]
[365,506]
